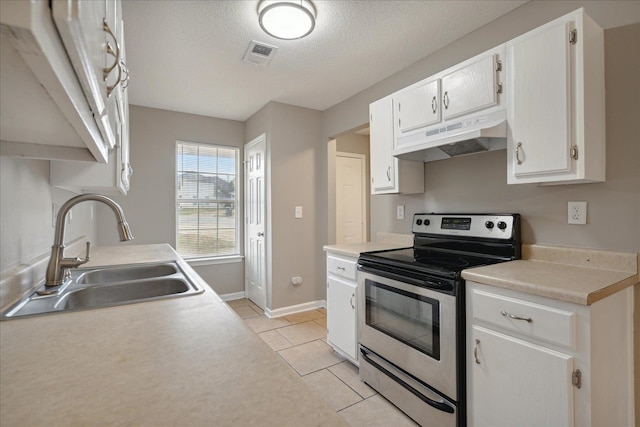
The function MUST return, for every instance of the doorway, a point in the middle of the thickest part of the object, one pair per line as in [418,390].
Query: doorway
[343,208]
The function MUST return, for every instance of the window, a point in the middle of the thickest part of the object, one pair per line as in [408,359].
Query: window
[206,200]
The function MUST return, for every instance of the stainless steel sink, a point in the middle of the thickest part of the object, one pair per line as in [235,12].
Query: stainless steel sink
[108,286]
[120,274]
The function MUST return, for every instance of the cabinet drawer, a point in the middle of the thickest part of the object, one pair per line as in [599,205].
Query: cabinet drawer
[343,267]
[538,321]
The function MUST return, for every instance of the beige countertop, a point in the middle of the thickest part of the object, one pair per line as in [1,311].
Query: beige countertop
[179,361]
[384,241]
[579,276]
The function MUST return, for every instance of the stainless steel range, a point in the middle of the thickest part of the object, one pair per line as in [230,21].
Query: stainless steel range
[411,311]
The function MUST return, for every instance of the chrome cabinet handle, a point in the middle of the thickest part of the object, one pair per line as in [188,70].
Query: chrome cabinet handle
[445,100]
[351,301]
[518,147]
[475,351]
[125,77]
[116,54]
[340,268]
[260,234]
[433,105]
[513,316]
[389,173]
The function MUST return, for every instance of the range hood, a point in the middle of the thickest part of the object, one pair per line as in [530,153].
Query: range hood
[468,135]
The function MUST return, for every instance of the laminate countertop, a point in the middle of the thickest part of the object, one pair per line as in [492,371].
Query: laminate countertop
[179,361]
[384,241]
[580,276]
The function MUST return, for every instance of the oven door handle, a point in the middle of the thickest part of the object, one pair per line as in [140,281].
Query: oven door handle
[441,403]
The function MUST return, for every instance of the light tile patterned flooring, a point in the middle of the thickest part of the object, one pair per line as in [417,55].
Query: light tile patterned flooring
[301,340]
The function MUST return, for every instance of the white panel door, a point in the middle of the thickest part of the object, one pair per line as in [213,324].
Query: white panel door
[341,315]
[470,88]
[517,383]
[350,206]
[255,210]
[538,78]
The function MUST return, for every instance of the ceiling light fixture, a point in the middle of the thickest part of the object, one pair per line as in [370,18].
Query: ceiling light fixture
[287,19]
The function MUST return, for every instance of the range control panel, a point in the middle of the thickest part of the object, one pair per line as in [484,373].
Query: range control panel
[491,226]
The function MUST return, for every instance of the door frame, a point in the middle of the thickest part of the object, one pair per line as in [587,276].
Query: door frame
[364,192]
[266,215]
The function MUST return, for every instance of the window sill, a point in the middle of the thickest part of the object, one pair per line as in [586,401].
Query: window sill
[232,259]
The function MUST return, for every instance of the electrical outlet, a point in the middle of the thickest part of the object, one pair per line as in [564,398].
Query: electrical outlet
[577,213]
[298,212]
[400,212]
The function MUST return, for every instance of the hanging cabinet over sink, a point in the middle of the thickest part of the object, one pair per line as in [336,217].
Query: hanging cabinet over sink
[556,104]
[60,62]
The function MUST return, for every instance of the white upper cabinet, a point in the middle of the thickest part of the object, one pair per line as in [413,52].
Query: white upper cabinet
[555,103]
[115,176]
[388,174]
[65,55]
[417,107]
[472,87]
[383,164]
[449,100]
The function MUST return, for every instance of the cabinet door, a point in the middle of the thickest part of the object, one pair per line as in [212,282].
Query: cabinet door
[383,164]
[538,78]
[82,28]
[517,383]
[417,108]
[341,315]
[471,88]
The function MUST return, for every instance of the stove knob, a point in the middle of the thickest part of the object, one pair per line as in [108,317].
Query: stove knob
[427,222]
[418,222]
[502,225]
[489,224]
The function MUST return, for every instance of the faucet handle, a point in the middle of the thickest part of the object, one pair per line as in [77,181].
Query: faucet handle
[86,256]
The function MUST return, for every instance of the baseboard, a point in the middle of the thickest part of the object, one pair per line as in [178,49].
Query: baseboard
[232,296]
[285,311]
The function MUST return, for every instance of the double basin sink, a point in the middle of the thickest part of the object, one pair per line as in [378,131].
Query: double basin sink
[108,286]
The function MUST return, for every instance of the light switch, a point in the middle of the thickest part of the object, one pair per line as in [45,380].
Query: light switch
[400,212]
[298,212]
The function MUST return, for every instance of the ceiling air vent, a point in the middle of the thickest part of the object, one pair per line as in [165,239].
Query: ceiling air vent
[259,53]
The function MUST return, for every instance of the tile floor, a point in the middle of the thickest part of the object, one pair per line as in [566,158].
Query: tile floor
[301,340]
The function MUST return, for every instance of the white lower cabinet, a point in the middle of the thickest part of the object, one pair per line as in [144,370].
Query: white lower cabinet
[342,298]
[518,372]
[535,361]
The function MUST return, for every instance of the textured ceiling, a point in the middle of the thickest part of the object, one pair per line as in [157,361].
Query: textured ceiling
[187,55]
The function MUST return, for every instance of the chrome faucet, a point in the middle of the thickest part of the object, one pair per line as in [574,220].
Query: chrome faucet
[58,267]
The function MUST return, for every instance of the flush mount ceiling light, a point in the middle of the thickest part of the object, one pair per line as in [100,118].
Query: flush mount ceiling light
[287,19]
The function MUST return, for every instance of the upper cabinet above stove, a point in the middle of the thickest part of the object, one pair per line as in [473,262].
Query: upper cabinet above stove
[60,66]
[556,103]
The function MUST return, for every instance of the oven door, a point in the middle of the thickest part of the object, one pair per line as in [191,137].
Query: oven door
[412,327]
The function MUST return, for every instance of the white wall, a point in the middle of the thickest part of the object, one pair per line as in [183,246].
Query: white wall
[26,199]
[293,134]
[478,182]
[150,205]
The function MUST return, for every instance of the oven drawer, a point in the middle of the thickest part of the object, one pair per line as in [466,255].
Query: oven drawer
[527,318]
[341,266]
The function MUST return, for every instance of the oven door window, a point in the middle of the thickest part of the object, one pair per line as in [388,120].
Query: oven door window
[410,318]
